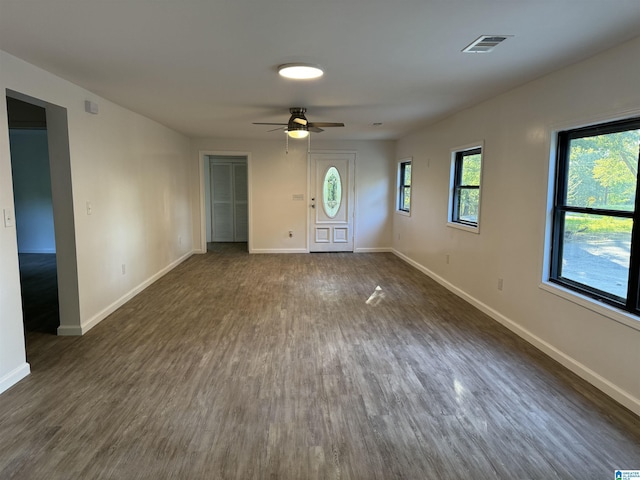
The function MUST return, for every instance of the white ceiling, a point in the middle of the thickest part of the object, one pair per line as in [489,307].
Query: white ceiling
[207,68]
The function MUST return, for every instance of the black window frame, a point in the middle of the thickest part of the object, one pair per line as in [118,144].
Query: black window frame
[458,186]
[402,187]
[560,209]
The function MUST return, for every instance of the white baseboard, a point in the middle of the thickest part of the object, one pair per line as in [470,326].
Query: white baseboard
[373,250]
[279,250]
[71,330]
[14,376]
[615,392]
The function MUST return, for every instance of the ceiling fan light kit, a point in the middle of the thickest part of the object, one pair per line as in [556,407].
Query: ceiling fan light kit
[299,127]
[298,133]
[300,71]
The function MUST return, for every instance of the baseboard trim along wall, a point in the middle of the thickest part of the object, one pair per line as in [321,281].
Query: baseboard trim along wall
[279,250]
[373,250]
[93,321]
[14,376]
[615,392]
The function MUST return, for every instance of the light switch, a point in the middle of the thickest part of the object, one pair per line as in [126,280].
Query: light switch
[89,208]
[9,221]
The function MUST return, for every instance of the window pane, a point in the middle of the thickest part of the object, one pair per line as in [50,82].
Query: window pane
[602,171]
[406,198]
[332,192]
[471,169]
[407,174]
[468,201]
[596,251]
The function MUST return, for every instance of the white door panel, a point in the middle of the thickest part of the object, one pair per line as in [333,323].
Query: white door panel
[331,209]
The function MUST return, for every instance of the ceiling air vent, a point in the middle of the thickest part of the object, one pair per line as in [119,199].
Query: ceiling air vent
[485,44]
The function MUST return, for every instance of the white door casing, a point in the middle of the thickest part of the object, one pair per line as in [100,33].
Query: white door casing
[331,191]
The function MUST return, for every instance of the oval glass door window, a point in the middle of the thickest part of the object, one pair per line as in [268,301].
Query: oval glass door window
[332,192]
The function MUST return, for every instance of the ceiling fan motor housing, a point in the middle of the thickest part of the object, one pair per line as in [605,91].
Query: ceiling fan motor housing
[297,121]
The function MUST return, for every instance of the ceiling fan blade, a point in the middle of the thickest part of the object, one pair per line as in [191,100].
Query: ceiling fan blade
[315,129]
[301,121]
[279,128]
[325,124]
[269,123]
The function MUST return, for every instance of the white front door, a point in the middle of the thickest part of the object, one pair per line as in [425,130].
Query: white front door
[331,207]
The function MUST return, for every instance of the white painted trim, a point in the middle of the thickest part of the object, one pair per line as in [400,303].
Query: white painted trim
[601,308]
[279,250]
[373,250]
[71,330]
[462,226]
[14,376]
[615,392]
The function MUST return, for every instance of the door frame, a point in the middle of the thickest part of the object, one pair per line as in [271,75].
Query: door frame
[355,190]
[63,213]
[203,156]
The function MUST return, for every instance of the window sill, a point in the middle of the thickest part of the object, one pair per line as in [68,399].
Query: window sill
[596,306]
[402,212]
[466,228]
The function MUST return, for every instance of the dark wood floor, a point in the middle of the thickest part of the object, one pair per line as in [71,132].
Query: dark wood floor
[39,284]
[238,366]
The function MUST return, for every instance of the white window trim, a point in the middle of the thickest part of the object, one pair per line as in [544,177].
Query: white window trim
[608,311]
[454,151]
[620,316]
[401,161]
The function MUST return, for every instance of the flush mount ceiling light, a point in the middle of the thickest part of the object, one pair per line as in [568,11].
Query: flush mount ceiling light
[300,71]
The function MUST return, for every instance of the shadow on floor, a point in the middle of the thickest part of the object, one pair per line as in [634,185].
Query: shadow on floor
[227,247]
[39,283]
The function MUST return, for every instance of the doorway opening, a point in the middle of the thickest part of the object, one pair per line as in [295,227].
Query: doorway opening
[227,204]
[54,210]
[31,175]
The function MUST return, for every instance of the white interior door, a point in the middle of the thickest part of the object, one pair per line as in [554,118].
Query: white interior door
[331,207]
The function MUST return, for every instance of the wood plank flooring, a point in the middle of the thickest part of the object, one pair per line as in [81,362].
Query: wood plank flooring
[39,284]
[238,366]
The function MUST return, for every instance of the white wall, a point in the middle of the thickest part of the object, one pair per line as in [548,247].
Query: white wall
[275,177]
[133,171]
[32,191]
[518,128]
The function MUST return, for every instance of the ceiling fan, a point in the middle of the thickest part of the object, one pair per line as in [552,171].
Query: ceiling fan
[298,125]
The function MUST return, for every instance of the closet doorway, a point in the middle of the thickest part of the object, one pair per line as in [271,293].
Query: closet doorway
[228,199]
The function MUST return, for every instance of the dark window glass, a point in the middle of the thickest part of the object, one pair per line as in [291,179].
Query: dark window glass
[404,190]
[595,213]
[466,187]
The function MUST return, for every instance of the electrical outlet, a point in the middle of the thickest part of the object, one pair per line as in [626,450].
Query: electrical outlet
[180,240]
[500,283]
[89,208]
[124,269]
[290,233]
[446,258]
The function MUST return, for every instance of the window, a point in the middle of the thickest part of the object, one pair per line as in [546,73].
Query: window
[596,221]
[404,186]
[466,172]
